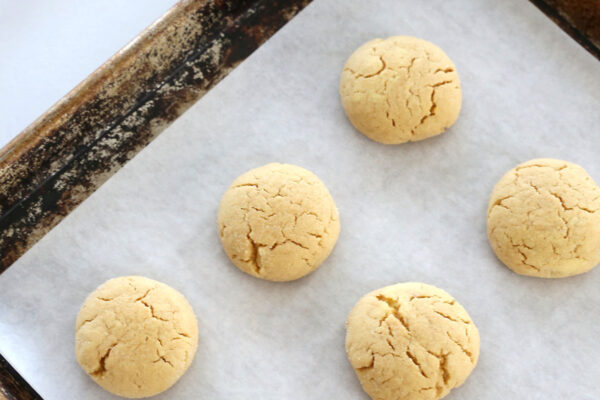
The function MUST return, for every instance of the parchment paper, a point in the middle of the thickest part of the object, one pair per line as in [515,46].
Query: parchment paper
[414,212]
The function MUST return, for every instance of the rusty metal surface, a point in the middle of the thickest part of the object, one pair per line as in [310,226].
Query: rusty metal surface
[66,154]
[580,19]
[12,386]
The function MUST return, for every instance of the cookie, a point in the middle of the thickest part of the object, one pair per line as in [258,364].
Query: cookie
[410,341]
[400,89]
[543,219]
[135,337]
[278,222]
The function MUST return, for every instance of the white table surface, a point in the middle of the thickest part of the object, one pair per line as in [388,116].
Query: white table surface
[49,46]
[414,212]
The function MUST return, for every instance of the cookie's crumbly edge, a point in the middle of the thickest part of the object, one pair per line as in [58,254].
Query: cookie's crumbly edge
[410,340]
[570,249]
[98,335]
[383,76]
[248,205]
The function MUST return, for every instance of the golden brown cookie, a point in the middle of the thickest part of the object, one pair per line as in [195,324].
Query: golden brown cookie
[135,337]
[278,222]
[400,89]
[410,341]
[544,219]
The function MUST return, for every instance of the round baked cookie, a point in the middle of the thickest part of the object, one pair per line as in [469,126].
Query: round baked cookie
[135,337]
[410,341]
[400,89]
[543,219]
[278,222]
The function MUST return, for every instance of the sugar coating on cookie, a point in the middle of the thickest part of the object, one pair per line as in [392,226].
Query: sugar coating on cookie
[400,89]
[278,222]
[543,219]
[410,341]
[135,336]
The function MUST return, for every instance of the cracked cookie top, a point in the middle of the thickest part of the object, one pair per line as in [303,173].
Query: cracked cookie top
[544,219]
[400,89]
[135,337]
[410,341]
[278,222]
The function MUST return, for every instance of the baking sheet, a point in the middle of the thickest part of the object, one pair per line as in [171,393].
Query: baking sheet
[414,212]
